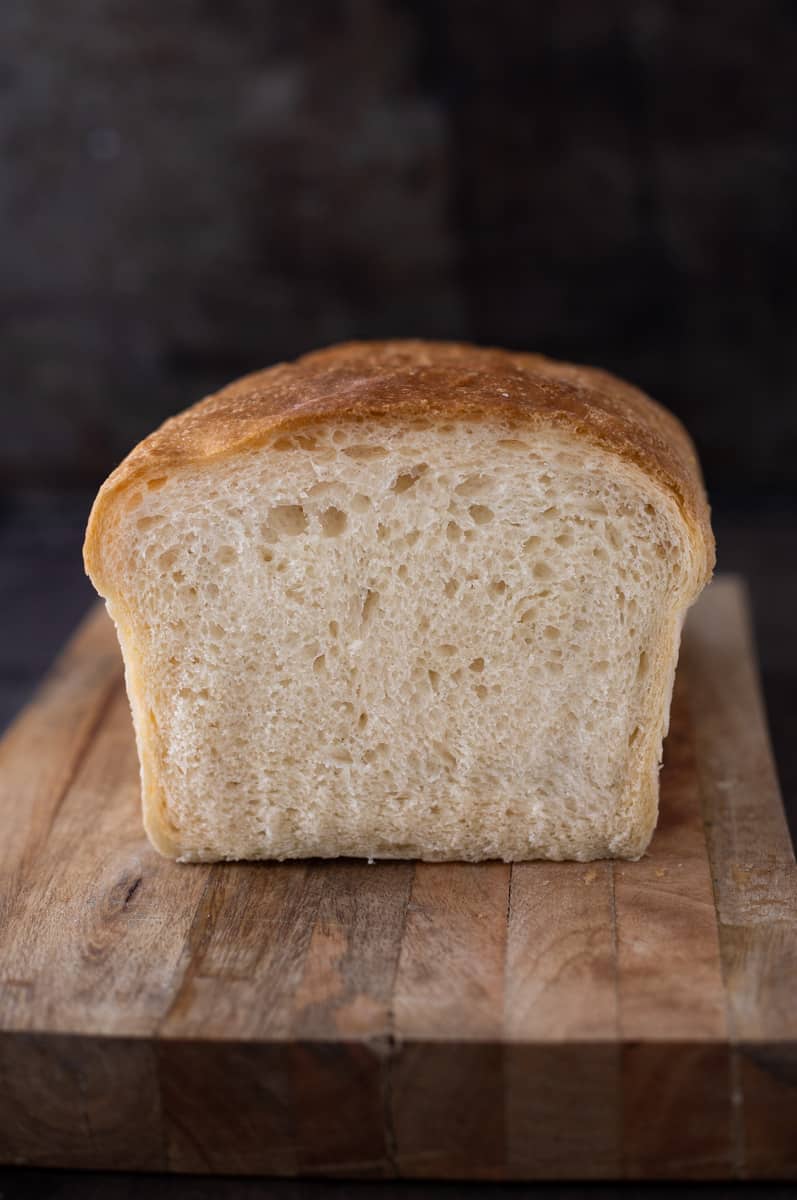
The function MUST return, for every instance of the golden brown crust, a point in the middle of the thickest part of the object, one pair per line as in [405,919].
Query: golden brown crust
[406,380]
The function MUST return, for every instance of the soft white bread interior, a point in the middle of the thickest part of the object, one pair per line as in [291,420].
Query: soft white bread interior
[434,638]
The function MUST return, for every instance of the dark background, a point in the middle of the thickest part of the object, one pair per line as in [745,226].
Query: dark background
[191,189]
[195,188]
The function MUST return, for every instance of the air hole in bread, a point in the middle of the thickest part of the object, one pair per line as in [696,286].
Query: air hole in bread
[370,604]
[154,485]
[450,588]
[434,679]
[365,452]
[225,555]
[333,522]
[404,481]
[481,514]
[144,523]
[474,485]
[541,570]
[325,488]
[447,649]
[288,520]
[564,539]
[642,668]
[477,665]
[498,587]
[444,753]
[168,558]
[481,691]
[453,531]
[551,632]
[531,543]
[512,444]
[360,503]
[319,664]
[402,571]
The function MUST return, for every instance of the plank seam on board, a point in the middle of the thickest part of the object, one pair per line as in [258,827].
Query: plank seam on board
[737,1134]
[745,638]
[184,973]
[393,1049]
[95,725]
[736,1131]
[620,1097]
[505,1099]
[506,946]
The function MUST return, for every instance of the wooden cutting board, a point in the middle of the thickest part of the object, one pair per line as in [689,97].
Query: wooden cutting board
[538,1021]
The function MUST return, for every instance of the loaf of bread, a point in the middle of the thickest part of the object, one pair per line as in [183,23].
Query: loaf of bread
[404,599]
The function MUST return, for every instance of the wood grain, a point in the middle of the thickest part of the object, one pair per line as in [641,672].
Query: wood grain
[79,1101]
[561,1019]
[96,932]
[545,1021]
[672,1017]
[450,987]
[754,878]
[41,752]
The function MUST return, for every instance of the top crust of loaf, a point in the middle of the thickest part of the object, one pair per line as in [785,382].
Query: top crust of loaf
[411,380]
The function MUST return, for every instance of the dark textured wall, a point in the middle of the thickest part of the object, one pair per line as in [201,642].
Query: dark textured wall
[195,188]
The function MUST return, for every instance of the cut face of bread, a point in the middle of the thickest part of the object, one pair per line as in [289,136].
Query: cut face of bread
[432,639]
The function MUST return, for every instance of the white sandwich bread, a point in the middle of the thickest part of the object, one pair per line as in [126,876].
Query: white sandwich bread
[404,600]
